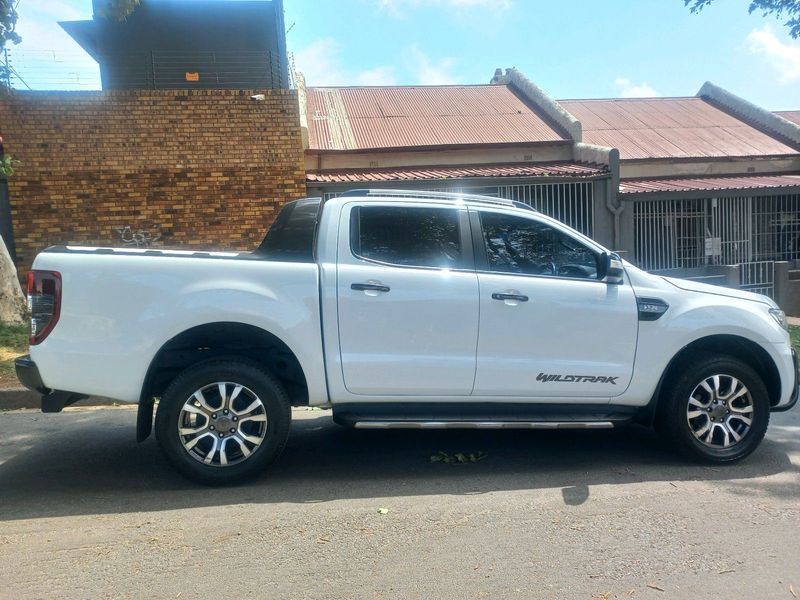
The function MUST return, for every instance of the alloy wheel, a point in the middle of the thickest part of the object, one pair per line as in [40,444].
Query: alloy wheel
[222,424]
[720,411]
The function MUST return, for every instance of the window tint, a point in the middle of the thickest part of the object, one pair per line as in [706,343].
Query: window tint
[518,245]
[291,237]
[423,237]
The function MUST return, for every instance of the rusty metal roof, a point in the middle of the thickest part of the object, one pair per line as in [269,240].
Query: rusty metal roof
[790,115]
[365,118]
[560,169]
[643,128]
[717,183]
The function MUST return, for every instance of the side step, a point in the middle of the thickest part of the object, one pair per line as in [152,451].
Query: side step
[483,424]
[468,415]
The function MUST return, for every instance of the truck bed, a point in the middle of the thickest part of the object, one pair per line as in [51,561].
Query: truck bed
[119,305]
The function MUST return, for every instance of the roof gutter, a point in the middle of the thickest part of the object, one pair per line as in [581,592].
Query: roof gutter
[754,114]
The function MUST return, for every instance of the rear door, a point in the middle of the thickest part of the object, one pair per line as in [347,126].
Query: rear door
[549,328]
[407,300]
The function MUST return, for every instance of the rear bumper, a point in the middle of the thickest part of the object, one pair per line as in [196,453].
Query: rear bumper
[795,388]
[28,374]
[52,400]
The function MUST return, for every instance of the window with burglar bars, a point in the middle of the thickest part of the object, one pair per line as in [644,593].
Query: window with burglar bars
[572,203]
[676,234]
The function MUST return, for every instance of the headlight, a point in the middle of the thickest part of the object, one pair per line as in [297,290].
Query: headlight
[780,317]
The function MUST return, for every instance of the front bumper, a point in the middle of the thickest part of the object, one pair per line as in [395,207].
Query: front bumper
[795,390]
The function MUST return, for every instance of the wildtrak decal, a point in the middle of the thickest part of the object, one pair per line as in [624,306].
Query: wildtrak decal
[547,378]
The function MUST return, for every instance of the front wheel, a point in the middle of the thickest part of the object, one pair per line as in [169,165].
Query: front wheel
[223,421]
[716,409]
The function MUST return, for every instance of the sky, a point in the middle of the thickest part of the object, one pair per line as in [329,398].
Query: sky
[570,48]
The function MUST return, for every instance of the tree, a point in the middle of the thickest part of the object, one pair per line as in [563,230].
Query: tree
[778,8]
[115,9]
[8,23]
[12,300]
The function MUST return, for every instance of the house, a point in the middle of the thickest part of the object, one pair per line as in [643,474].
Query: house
[691,183]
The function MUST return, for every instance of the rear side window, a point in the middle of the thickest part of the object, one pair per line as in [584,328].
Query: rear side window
[408,236]
[291,237]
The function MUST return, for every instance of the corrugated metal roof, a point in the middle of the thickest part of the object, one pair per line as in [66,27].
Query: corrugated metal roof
[721,183]
[363,118]
[670,128]
[790,115]
[561,169]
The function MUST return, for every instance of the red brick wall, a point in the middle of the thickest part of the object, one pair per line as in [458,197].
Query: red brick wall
[197,168]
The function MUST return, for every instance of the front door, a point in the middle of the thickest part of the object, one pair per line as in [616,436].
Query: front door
[407,298]
[548,327]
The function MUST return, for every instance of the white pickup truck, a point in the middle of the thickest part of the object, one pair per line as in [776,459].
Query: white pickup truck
[402,310]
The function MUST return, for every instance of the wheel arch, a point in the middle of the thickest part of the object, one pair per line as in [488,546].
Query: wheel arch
[227,339]
[736,346]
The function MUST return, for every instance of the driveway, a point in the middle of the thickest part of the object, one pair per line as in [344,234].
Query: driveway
[88,513]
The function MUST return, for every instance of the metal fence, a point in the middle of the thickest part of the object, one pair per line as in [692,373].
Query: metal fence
[672,234]
[45,70]
[752,232]
[571,203]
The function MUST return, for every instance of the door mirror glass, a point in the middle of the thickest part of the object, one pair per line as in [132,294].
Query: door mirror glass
[611,268]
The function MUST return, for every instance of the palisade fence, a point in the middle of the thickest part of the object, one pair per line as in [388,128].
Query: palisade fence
[48,70]
[571,203]
[752,232]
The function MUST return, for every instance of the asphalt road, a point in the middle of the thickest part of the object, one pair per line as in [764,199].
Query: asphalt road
[86,513]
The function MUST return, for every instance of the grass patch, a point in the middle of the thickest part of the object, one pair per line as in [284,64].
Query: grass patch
[794,331]
[13,343]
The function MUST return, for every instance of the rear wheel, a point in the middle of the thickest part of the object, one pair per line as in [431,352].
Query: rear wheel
[223,421]
[716,410]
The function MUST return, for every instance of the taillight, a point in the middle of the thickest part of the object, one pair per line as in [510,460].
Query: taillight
[44,303]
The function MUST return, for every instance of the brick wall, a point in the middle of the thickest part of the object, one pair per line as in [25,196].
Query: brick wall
[195,168]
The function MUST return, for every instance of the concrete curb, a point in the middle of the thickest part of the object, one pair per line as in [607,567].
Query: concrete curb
[11,399]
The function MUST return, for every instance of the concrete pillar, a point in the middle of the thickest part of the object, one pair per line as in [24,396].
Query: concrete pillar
[603,230]
[733,275]
[781,279]
[627,238]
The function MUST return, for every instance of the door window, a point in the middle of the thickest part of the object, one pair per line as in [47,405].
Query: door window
[408,236]
[529,247]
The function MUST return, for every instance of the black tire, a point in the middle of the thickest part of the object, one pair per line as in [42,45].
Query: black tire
[256,381]
[677,428]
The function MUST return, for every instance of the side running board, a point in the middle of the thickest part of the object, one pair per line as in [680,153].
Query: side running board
[469,415]
[483,424]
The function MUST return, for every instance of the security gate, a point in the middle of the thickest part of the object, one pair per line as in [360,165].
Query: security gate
[750,231]
[758,277]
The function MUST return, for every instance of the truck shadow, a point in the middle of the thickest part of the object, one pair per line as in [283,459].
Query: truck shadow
[87,463]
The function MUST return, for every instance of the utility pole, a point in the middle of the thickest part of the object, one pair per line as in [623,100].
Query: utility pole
[6,69]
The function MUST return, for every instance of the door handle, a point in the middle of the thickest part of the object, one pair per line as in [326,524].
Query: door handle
[373,287]
[506,296]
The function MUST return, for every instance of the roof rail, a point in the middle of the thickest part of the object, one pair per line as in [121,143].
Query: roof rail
[421,194]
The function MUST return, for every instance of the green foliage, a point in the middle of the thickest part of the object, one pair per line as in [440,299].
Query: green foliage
[457,458]
[13,343]
[116,9]
[794,331]
[778,8]
[7,165]
[8,23]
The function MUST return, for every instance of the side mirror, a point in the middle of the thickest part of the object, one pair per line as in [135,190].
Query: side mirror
[611,270]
